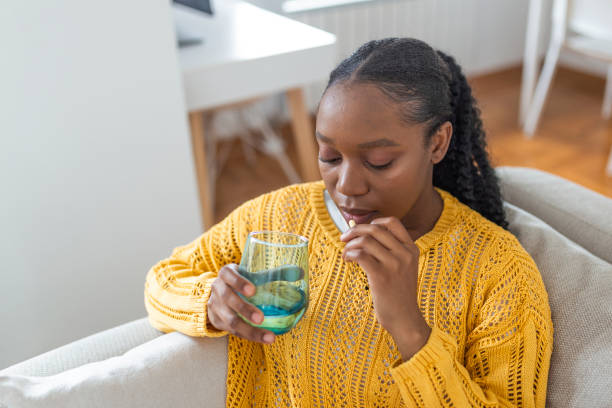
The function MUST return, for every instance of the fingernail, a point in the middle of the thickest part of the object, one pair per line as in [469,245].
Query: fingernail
[249,291]
[256,318]
[268,337]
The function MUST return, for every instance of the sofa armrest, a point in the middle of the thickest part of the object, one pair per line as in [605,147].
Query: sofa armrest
[173,370]
[580,214]
[100,346]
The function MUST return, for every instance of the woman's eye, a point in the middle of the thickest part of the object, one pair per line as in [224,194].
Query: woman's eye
[380,166]
[329,161]
[373,166]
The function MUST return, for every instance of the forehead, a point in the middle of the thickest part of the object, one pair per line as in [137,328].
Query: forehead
[357,113]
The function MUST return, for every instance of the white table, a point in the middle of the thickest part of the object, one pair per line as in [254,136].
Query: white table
[247,53]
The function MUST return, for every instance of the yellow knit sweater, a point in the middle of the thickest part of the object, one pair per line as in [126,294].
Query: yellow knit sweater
[479,291]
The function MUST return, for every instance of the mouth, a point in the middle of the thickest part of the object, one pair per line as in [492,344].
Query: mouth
[359,216]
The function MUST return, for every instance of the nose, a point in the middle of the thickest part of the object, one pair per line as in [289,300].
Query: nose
[350,180]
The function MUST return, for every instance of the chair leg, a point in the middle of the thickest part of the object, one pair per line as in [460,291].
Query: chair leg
[530,58]
[541,92]
[606,110]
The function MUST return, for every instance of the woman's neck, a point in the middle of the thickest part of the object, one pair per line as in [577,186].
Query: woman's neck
[424,214]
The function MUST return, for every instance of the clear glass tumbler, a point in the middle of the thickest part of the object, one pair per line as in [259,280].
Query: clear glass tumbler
[277,264]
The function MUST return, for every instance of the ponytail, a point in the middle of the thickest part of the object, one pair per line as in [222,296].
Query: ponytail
[466,171]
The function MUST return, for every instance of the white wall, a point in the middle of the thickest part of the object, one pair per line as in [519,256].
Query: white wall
[483,35]
[96,177]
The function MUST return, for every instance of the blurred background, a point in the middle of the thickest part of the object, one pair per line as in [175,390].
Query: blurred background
[128,128]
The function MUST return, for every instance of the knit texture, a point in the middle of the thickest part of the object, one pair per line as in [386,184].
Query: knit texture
[478,290]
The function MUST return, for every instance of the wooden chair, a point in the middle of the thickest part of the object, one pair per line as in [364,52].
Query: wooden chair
[579,26]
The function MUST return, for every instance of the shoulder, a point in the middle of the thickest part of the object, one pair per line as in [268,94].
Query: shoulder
[495,245]
[286,208]
[502,270]
[472,225]
[283,209]
[294,194]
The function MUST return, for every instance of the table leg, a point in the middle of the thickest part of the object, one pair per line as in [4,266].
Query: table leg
[303,135]
[198,145]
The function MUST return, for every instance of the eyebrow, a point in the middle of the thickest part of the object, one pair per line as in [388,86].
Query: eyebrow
[367,145]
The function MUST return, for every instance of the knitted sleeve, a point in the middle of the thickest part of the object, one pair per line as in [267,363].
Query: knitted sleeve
[177,288]
[507,350]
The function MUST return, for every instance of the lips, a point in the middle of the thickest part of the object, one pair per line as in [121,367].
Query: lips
[358,215]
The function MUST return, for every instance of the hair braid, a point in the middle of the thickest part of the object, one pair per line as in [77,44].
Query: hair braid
[476,184]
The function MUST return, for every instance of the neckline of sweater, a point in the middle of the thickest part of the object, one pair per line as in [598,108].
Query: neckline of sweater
[426,241]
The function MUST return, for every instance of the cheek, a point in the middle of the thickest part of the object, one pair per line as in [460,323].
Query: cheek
[399,187]
[324,170]
[328,175]
[406,171]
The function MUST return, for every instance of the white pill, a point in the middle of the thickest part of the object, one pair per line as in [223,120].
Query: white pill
[352,223]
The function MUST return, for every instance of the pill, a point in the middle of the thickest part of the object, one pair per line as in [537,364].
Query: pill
[352,223]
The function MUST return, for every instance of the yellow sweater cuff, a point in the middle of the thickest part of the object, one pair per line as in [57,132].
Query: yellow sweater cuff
[416,369]
[188,314]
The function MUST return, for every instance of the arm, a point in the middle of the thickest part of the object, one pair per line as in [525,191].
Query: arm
[507,353]
[177,289]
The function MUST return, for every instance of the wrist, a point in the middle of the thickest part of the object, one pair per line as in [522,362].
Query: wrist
[412,339]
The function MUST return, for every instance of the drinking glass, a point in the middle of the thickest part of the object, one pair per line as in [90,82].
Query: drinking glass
[277,264]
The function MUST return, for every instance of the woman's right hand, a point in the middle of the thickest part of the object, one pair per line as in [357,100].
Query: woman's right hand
[224,305]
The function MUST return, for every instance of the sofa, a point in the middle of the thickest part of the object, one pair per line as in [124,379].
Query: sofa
[566,228]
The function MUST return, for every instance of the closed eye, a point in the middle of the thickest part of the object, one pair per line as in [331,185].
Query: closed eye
[380,166]
[329,161]
[372,166]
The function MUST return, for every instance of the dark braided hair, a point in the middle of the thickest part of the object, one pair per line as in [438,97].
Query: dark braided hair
[431,89]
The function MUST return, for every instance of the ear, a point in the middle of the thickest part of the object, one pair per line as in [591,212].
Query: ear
[439,142]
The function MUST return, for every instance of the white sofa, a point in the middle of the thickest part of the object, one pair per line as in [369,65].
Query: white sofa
[566,228]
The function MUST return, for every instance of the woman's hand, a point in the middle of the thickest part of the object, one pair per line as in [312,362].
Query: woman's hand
[390,258]
[224,305]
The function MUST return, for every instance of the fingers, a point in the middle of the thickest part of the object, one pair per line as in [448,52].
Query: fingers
[232,323]
[225,307]
[361,256]
[368,244]
[239,305]
[229,274]
[385,233]
[395,227]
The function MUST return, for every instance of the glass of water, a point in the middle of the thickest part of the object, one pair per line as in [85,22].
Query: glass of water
[277,264]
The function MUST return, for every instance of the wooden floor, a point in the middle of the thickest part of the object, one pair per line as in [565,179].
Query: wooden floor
[573,141]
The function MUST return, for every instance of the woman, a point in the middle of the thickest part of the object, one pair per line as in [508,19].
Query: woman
[426,301]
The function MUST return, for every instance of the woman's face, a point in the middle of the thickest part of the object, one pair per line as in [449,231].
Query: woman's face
[373,164]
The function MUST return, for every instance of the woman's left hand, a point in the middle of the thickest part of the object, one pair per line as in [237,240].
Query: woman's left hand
[390,258]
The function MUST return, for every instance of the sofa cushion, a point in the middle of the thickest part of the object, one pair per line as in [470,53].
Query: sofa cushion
[172,370]
[100,346]
[582,215]
[579,286]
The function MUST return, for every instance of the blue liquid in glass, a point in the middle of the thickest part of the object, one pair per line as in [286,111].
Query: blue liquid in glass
[279,320]
[282,304]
